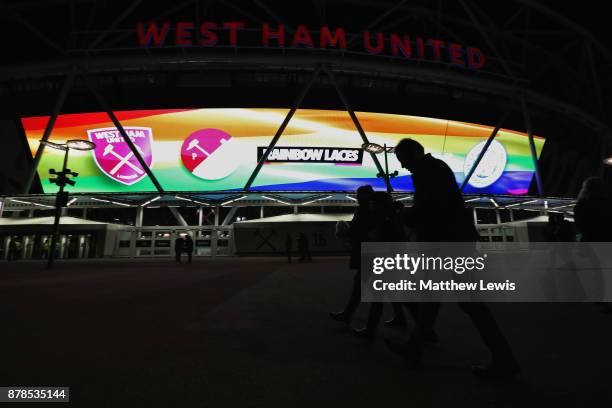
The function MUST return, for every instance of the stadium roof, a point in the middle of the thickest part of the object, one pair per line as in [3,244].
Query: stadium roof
[153,200]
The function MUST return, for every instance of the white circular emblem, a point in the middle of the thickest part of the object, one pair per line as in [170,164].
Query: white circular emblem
[491,166]
[210,154]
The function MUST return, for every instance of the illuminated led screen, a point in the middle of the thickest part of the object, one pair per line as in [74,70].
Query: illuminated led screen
[218,149]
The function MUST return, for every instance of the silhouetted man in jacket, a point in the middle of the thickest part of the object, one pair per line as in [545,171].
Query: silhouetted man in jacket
[439,215]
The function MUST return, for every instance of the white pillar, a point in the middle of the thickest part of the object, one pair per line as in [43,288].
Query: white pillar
[133,238]
[139,216]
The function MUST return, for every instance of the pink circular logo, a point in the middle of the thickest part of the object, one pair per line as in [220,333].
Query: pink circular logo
[207,154]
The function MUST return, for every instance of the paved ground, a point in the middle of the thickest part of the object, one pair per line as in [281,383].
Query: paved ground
[255,332]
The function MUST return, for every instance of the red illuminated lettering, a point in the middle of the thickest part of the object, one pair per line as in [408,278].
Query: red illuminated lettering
[302,37]
[208,37]
[420,48]
[401,45]
[476,58]
[456,54]
[183,33]
[278,35]
[367,43]
[436,45]
[372,42]
[332,40]
[233,31]
[152,33]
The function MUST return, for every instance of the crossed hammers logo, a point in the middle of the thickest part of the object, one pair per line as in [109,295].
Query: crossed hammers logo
[123,160]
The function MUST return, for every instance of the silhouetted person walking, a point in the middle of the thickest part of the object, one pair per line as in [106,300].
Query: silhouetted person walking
[593,215]
[386,227]
[438,214]
[179,245]
[188,247]
[593,211]
[288,247]
[559,229]
[13,250]
[304,247]
[359,229]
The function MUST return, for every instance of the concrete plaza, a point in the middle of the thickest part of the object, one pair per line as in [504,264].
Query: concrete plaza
[256,332]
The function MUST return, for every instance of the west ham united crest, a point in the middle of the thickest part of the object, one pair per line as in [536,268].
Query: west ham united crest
[115,158]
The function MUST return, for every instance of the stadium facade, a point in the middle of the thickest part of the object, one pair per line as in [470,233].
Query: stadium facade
[233,121]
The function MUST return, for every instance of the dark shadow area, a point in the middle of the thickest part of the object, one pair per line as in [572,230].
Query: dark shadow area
[255,332]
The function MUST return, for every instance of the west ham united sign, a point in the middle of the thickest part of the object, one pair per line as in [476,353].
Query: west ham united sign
[115,158]
[234,33]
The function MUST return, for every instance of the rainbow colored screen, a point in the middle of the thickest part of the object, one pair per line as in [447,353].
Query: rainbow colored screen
[320,150]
